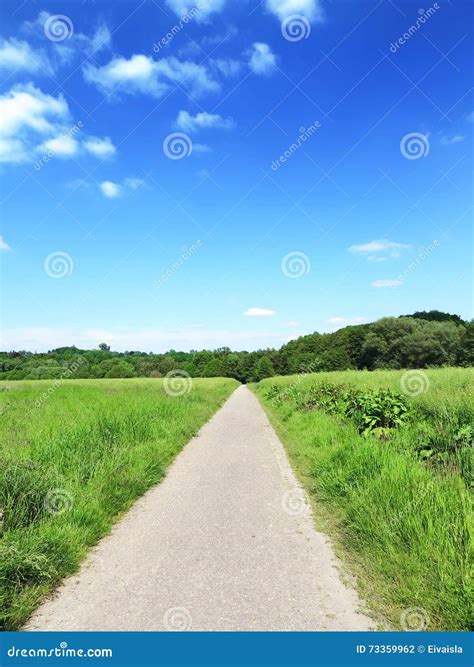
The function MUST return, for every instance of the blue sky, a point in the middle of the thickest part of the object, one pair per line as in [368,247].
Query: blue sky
[144,199]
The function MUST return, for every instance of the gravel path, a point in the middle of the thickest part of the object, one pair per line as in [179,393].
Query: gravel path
[225,542]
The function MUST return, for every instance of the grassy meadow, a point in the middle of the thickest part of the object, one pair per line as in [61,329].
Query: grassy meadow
[73,457]
[387,458]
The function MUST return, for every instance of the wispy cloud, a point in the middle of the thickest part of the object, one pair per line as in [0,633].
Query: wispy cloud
[259,312]
[142,74]
[101,148]
[311,9]
[453,139]
[77,43]
[18,56]
[205,7]
[387,283]
[4,245]
[113,190]
[261,59]
[140,338]
[379,250]
[202,120]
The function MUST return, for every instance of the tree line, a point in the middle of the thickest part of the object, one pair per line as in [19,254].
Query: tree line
[421,340]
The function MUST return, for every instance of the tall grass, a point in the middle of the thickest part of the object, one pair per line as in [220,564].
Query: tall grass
[70,464]
[401,522]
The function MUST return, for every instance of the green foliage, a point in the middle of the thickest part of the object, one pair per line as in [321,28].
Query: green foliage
[421,340]
[376,411]
[399,509]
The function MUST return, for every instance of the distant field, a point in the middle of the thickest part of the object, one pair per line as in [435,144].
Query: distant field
[390,473]
[73,457]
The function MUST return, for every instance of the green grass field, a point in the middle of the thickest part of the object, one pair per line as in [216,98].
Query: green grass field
[389,475]
[73,457]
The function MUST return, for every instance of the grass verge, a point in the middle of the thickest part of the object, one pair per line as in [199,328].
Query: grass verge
[401,523]
[73,458]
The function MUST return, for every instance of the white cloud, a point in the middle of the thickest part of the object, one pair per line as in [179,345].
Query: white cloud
[142,74]
[101,39]
[4,245]
[27,113]
[339,322]
[470,117]
[311,9]
[387,283]
[261,59]
[204,7]
[134,183]
[12,151]
[259,312]
[455,139]
[17,55]
[110,189]
[227,66]
[27,107]
[101,148]
[202,120]
[61,146]
[74,46]
[384,247]
[33,123]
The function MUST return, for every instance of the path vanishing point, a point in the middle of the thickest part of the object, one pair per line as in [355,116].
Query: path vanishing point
[225,542]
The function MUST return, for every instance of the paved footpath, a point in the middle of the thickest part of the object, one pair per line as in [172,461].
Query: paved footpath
[225,542]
